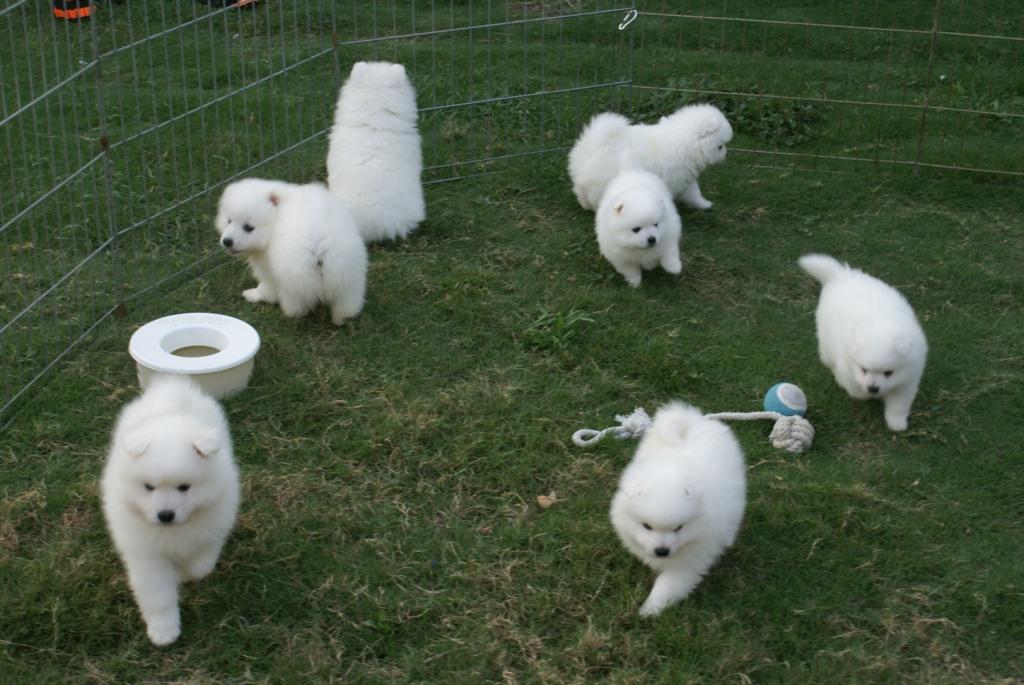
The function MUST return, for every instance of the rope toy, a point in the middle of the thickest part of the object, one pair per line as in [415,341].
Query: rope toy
[631,426]
[791,433]
[784,403]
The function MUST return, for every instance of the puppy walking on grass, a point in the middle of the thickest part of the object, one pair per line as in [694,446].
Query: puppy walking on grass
[638,227]
[676,149]
[680,501]
[868,336]
[170,495]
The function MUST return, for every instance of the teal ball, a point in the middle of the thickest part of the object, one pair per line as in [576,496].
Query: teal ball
[786,399]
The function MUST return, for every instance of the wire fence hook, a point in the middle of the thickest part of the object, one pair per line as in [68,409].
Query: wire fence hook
[628,19]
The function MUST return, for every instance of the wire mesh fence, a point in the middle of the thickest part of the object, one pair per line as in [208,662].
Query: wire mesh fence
[924,85]
[120,131]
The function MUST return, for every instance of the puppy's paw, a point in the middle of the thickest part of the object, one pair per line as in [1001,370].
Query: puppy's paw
[163,631]
[896,423]
[650,609]
[701,203]
[201,567]
[674,267]
[252,295]
[339,316]
[292,309]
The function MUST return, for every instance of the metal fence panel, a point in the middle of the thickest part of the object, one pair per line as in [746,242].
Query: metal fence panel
[119,132]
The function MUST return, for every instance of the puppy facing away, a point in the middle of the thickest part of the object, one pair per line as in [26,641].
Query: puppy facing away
[300,242]
[868,336]
[170,494]
[638,227]
[680,501]
[677,149]
[375,158]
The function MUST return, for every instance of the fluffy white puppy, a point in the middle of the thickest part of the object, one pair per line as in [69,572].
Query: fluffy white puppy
[170,495]
[375,157]
[868,336]
[637,226]
[680,501]
[677,149]
[300,242]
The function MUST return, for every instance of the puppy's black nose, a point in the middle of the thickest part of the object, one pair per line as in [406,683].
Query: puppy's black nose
[165,516]
[872,389]
[228,242]
[651,240]
[661,551]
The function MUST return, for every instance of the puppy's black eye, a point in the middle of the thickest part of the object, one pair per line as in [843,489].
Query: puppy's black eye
[184,487]
[677,528]
[647,526]
[655,225]
[863,370]
[888,373]
[721,147]
[148,487]
[636,230]
[247,228]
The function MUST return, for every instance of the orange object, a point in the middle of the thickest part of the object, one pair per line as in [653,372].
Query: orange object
[72,10]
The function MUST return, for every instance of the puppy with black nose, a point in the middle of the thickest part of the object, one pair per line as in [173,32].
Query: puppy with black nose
[170,493]
[678,148]
[301,244]
[868,336]
[680,501]
[638,227]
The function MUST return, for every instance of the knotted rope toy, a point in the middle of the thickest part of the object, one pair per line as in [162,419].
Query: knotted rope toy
[784,403]
[630,426]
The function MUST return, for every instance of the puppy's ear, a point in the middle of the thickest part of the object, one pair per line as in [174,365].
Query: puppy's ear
[134,444]
[618,208]
[398,69]
[708,127]
[358,67]
[206,442]
[274,198]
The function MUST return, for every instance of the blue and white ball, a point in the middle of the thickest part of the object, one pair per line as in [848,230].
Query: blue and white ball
[786,399]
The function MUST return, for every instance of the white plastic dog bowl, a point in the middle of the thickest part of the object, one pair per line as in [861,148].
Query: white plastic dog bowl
[217,351]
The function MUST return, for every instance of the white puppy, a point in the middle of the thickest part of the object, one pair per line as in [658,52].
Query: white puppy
[868,336]
[375,157]
[680,501]
[301,243]
[170,495]
[677,149]
[637,226]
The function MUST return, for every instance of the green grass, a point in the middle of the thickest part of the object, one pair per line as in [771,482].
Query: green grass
[390,531]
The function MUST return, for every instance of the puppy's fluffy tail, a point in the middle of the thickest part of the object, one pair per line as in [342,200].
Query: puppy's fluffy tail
[674,421]
[822,267]
[606,128]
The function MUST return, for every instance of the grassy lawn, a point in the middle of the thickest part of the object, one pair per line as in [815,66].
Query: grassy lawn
[389,530]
